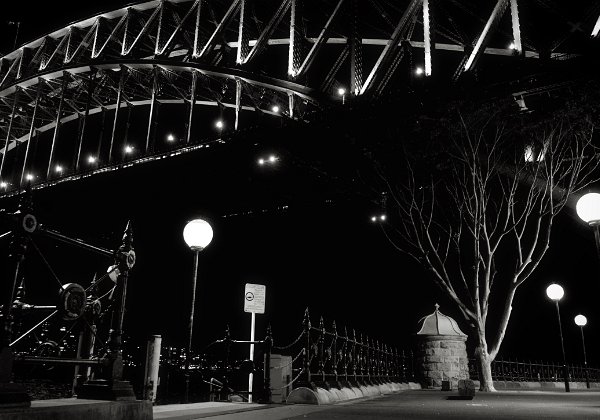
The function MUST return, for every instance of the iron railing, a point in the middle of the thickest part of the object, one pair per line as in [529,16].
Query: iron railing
[536,371]
[327,358]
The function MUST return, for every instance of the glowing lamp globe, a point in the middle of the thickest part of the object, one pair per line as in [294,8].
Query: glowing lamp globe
[588,208]
[555,292]
[197,234]
[580,320]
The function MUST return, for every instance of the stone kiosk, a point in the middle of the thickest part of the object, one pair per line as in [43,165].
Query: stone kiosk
[441,351]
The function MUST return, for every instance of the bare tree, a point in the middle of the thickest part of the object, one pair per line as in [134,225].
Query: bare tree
[482,224]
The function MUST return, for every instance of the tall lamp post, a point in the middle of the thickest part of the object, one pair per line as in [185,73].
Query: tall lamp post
[588,209]
[197,234]
[581,321]
[555,292]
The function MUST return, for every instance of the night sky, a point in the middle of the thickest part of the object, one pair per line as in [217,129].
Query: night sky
[306,235]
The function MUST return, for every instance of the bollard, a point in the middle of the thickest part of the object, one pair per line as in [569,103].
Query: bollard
[151,367]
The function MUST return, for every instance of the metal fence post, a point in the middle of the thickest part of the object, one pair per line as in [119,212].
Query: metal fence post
[267,367]
[321,349]
[334,353]
[346,354]
[307,348]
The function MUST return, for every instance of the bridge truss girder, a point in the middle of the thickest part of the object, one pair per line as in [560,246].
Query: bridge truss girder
[230,54]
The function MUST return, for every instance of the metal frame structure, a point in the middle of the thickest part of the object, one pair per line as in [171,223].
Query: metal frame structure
[233,55]
[76,306]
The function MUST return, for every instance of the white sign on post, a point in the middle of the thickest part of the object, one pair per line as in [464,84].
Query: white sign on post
[254,302]
[254,298]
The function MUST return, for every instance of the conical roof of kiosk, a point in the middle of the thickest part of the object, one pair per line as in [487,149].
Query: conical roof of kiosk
[437,323]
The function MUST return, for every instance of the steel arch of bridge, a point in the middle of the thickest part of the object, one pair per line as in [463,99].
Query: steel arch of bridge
[238,55]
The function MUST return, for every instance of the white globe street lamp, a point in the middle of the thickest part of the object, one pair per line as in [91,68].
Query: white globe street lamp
[197,234]
[588,209]
[581,322]
[555,292]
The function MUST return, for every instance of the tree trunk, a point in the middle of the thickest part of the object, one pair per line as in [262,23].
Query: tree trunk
[484,364]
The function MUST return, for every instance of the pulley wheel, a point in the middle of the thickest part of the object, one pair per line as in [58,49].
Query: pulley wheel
[71,302]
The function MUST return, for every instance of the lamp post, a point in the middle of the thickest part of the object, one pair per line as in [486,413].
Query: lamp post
[588,209]
[555,292]
[197,234]
[581,321]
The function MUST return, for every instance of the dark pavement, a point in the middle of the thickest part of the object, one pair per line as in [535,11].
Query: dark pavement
[423,404]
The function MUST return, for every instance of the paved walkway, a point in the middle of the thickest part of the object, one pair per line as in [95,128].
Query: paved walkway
[416,404]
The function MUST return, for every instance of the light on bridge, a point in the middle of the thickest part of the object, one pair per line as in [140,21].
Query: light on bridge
[3,185]
[512,46]
[419,71]
[171,138]
[219,124]
[58,169]
[128,150]
[271,160]
[29,177]
[91,159]
[275,109]
[378,218]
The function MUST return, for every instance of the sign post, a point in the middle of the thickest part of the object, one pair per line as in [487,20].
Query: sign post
[254,302]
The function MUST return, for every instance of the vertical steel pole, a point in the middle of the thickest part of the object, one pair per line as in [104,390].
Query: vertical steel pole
[151,367]
[562,347]
[242,49]
[251,357]
[196,50]
[191,328]
[587,377]
[356,75]
[9,130]
[307,348]
[267,366]
[596,227]
[31,129]
[91,81]
[427,36]
[117,107]
[101,134]
[152,104]
[291,105]
[192,105]
[238,101]
[57,123]
[514,11]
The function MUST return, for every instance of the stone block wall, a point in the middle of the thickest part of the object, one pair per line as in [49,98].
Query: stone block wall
[441,357]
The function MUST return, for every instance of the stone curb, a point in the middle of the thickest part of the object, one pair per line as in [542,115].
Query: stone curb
[321,396]
[514,385]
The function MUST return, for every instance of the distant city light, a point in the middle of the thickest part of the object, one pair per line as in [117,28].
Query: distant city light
[128,149]
[91,159]
[170,137]
[341,91]
[270,160]
[419,71]
[219,124]
[58,169]
[381,218]
[275,109]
